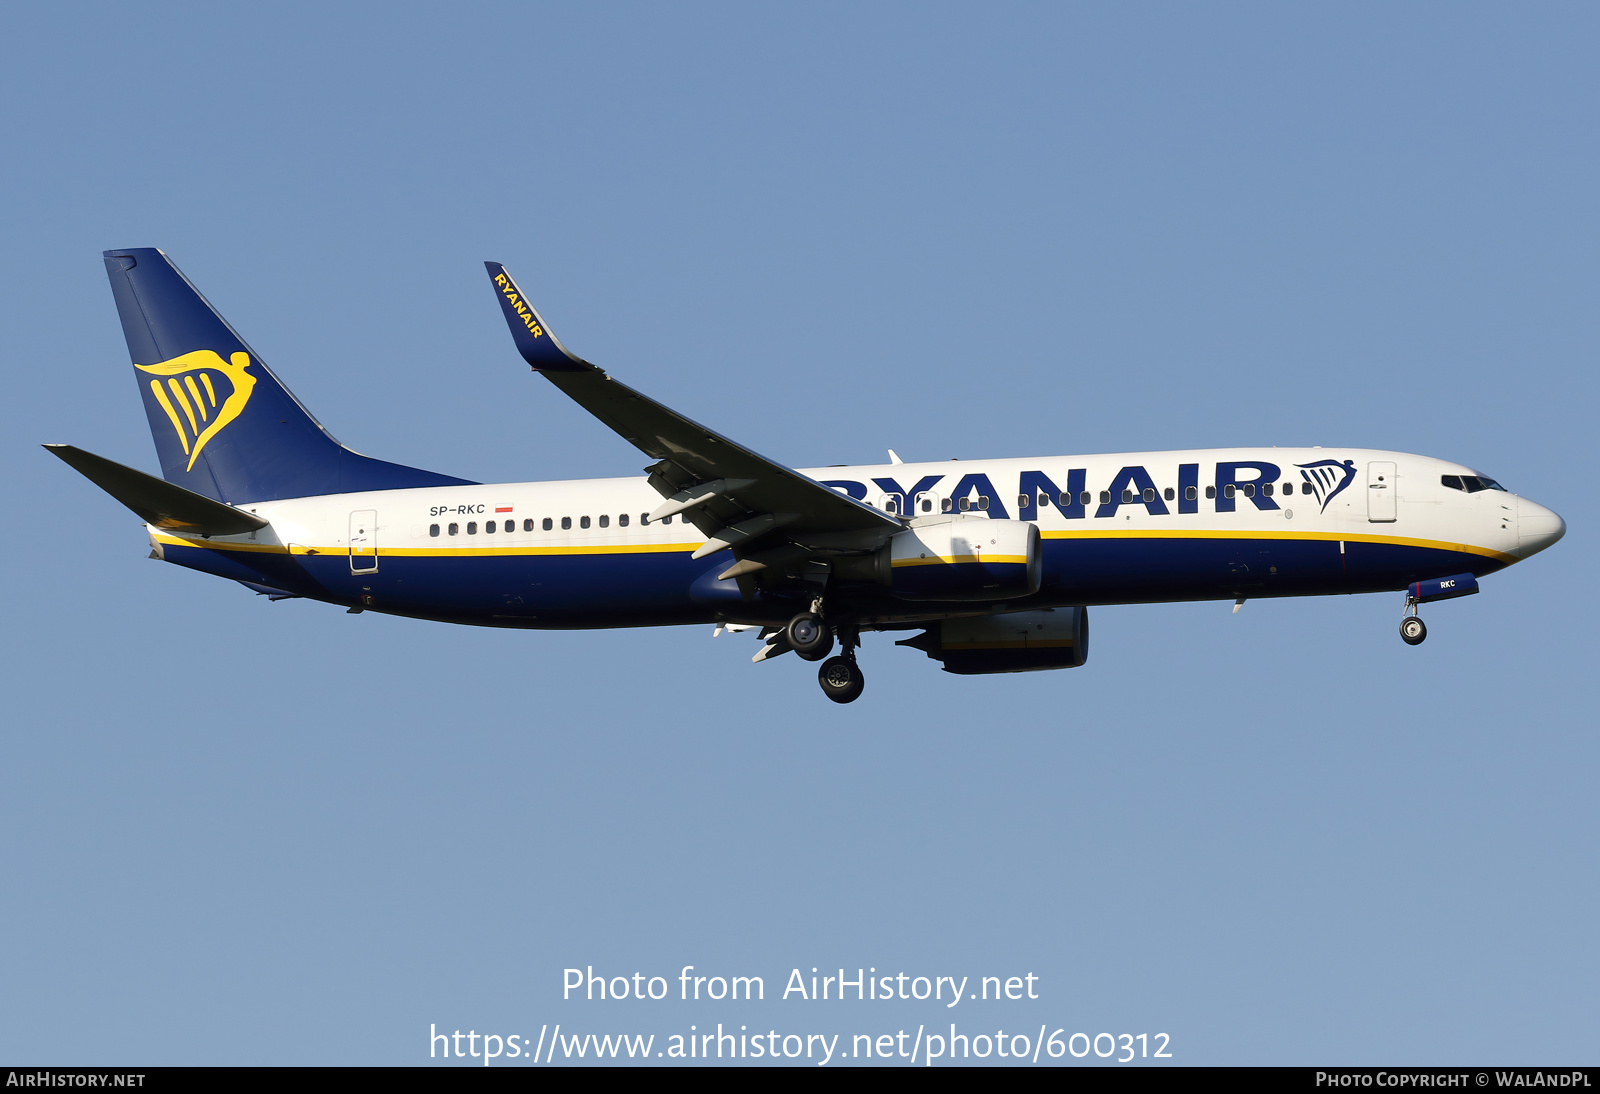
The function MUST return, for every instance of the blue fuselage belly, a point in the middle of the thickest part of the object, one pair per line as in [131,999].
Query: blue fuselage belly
[566,591]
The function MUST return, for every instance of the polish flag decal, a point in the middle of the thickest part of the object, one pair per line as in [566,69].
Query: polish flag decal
[503,509]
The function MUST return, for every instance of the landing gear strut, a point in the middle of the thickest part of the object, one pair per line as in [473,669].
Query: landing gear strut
[1412,629]
[841,678]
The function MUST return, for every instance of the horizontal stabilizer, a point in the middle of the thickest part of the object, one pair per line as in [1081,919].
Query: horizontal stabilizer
[158,502]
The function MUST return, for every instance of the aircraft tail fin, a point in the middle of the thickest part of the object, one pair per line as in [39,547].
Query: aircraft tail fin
[224,426]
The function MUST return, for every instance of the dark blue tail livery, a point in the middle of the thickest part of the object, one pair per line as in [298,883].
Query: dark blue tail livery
[223,424]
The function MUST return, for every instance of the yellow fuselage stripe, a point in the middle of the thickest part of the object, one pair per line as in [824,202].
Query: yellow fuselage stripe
[429,552]
[672,548]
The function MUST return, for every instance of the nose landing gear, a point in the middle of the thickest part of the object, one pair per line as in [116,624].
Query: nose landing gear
[1412,629]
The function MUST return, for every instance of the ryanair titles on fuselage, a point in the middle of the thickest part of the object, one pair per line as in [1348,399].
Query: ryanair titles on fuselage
[1253,481]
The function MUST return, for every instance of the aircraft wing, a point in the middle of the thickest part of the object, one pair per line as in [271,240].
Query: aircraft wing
[732,494]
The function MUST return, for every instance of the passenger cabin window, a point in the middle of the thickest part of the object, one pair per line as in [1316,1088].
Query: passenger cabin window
[1249,489]
[1127,496]
[1065,501]
[964,504]
[1189,493]
[547,525]
[455,529]
[1228,491]
[1149,493]
[644,518]
[490,527]
[1288,488]
[1105,497]
[472,527]
[1171,493]
[605,521]
[1085,498]
[1211,491]
[511,526]
[527,525]
[433,529]
[566,524]
[666,520]
[944,505]
[583,522]
[622,520]
[1267,490]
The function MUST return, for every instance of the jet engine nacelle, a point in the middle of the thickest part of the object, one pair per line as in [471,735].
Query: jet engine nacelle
[965,558]
[1051,638]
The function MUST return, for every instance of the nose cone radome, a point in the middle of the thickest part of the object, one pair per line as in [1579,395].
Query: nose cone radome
[1537,527]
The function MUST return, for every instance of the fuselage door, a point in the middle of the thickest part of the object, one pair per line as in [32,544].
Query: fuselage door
[1380,492]
[364,541]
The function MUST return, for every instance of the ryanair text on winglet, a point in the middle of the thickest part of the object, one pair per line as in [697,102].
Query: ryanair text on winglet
[524,312]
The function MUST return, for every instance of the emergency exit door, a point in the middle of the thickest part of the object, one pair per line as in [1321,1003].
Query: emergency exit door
[1380,493]
[364,541]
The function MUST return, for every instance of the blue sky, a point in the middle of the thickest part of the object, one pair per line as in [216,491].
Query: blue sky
[234,831]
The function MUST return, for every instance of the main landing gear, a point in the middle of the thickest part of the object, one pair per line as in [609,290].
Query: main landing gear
[809,636]
[840,677]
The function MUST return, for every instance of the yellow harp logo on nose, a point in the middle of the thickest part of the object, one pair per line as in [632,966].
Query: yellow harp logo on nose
[191,386]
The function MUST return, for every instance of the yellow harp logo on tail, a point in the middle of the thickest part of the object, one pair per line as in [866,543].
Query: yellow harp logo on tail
[190,395]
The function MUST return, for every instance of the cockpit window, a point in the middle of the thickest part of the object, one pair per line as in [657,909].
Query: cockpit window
[1470,483]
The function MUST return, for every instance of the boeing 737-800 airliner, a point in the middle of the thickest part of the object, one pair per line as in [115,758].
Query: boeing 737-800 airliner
[992,563]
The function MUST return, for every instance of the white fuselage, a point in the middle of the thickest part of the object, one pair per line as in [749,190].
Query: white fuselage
[1116,528]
